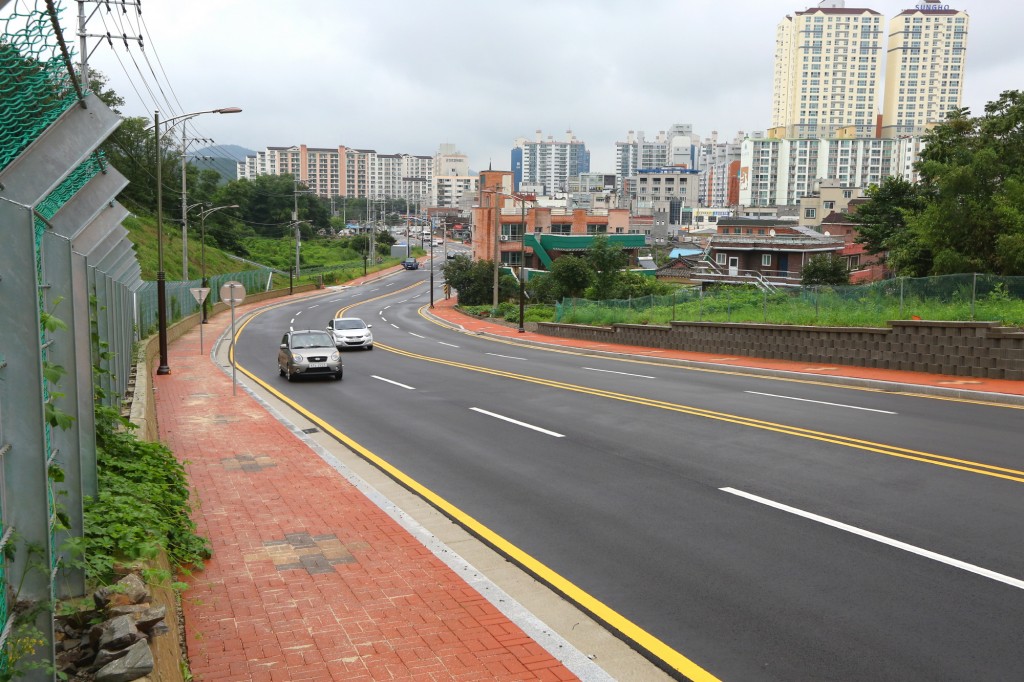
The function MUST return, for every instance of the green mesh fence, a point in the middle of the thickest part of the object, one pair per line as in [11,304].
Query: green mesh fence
[950,297]
[181,303]
[35,86]
[47,209]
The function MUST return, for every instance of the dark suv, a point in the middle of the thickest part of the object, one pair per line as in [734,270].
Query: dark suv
[411,264]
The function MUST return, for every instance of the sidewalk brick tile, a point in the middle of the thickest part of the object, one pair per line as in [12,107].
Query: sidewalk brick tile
[309,580]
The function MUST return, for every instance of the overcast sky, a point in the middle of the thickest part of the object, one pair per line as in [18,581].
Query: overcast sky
[400,76]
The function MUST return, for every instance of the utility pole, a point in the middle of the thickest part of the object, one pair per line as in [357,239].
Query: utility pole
[295,220]
[83,44]
[184,205]
[497,247]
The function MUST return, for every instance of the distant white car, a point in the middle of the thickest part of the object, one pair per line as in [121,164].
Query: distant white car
[351,332]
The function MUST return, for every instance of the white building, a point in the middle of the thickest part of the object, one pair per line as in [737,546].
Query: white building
[779,172]
[924,73]
[549,162]
[719,164]
[828,68]
[676,147]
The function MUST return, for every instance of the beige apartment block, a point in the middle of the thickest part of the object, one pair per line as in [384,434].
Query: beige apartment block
[924,72]
[828,68]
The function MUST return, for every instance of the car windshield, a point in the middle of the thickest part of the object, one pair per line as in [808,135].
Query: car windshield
[312,340]
[349,324]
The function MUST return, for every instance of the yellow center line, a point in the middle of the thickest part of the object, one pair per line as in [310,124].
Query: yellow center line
[857,443]
[708,370]
[604,613]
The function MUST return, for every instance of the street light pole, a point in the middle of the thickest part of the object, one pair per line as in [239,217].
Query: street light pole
[161,276]
[161,285]
[431,266]
[522,265]
[202,221]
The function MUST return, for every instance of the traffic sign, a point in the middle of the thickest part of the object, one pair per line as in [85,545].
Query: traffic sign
[232,293]
[200,294]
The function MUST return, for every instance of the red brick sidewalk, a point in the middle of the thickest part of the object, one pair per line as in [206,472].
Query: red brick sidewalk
[309,579]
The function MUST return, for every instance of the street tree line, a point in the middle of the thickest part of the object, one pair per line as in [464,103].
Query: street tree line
[598,274]
[967,212]
[265,204]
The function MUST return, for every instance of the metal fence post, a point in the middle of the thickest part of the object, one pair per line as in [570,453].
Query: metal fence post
[974,293]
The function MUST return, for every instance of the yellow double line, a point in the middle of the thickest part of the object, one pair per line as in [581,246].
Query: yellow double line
[866,445]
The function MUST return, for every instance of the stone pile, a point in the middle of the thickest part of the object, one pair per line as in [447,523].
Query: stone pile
[111,642]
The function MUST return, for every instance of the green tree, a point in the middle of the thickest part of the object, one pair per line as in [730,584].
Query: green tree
[569,276]
[971,172]
[825,268]
[607,262]
[883,226]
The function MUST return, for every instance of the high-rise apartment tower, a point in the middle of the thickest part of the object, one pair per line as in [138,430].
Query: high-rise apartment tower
[924,70]
[828,68]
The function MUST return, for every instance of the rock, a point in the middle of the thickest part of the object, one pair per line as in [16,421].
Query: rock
[137,662]
[105,656]
[118,633]
[128,590]
[159,629]
[145,620]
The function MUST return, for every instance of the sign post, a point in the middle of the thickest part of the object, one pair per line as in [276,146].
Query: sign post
[200,294]
[232,293]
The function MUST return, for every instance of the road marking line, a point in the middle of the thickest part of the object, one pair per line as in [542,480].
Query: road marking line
[298,313]
[913,549]
[377,289]
[820,402]
[394,325]
[517,422]
[291,321]
[415,334]
[315,305]
[1016,475]
[374,376]
[386,307]
[447,344]
[609,371]
[509,357]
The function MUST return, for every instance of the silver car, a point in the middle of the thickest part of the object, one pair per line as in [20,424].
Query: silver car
[351,332]
[308,352]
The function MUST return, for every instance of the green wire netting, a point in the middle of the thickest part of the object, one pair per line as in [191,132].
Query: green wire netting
[47,208]
[35,86]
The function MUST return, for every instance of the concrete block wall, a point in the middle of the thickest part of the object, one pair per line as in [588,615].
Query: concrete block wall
[973,349]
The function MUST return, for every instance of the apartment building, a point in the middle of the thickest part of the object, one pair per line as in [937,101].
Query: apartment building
[548,162]
[676,147]
[719,163]
[924,74]
[828,71]
[343,171]
[780,172]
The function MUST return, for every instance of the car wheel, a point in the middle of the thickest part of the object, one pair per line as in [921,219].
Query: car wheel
[280,370]
[289,375]
[337,376]
[370,347]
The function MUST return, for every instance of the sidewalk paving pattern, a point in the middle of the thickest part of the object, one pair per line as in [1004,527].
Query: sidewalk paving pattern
[309,579]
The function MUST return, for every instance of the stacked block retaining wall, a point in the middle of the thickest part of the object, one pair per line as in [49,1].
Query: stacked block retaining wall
[974,349]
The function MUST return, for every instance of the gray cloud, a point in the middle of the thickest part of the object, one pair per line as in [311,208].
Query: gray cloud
[403,76]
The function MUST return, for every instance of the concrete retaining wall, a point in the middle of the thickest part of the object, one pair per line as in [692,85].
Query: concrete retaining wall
[976,349]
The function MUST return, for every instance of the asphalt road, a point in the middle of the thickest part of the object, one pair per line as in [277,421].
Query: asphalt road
[764,529]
